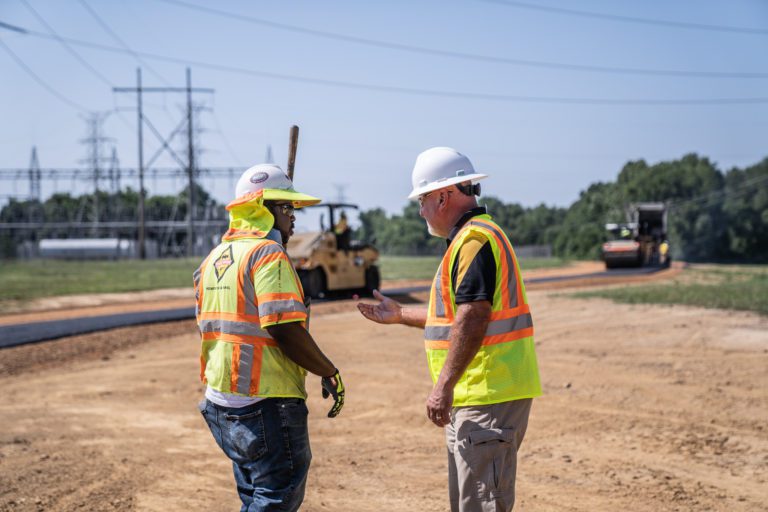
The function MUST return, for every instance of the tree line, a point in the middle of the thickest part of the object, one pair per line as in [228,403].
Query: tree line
[89,210]
[713,215]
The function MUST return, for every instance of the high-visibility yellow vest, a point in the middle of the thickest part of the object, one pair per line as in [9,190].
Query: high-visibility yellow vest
[505,366]
[241,288]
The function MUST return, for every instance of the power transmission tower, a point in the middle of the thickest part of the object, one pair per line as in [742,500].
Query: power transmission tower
[114,172]
[94,142]
[95,156]
[340,196]
[142,119]
[34,176]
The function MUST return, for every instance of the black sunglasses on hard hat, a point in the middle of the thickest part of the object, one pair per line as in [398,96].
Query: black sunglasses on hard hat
[469,190]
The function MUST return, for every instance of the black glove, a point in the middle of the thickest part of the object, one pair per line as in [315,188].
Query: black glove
[333,386]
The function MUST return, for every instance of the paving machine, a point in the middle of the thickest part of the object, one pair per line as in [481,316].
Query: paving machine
[641,240]
[330,260]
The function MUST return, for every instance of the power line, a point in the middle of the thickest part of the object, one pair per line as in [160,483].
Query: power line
[65,45]
[465,56]
[629,19]
[224,138]
[415,91]
[77,56]
[85,63]
[119,40]
[39,80]
[12,28]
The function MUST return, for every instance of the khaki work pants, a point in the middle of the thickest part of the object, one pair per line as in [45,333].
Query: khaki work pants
[482,446]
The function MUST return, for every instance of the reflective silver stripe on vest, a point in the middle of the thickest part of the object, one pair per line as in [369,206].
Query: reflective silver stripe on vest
[308,307]
[506,325]
[512,284]
[439,305]
[230,327]
[281,306]
[250,294]
[437,332]
[244,370]
[196,276]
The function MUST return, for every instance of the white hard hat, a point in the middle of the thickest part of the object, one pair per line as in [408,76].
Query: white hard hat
[441,167]
[274,184]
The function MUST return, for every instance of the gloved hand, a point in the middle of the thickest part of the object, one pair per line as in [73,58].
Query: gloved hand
[333,386]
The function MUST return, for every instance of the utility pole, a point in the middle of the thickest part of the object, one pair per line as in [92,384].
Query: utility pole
[142,224]
[139,90]
[190,170]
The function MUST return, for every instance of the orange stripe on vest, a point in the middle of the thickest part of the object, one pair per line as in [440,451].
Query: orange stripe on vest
[239,338]
[488,340]
[269,297]
[276,317]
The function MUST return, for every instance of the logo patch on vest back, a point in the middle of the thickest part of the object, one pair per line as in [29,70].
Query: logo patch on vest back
[223,262]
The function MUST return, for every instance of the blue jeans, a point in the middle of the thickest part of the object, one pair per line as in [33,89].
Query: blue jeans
[268,443]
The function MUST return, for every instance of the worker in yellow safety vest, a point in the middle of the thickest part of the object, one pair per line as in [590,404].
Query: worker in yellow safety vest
[256,349]
[478,334]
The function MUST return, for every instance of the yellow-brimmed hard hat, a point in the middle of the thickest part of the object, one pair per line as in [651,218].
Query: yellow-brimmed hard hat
[270,182]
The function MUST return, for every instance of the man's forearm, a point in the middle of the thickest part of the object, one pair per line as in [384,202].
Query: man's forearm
[466,337]
[299,346]
[413,316]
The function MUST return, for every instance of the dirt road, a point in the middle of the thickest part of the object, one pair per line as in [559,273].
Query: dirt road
[76,306]
[645,409]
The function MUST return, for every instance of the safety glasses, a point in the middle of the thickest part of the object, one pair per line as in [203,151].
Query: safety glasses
[286,208]
[424,196]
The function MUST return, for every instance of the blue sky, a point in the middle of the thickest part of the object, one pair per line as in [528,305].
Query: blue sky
[366,138]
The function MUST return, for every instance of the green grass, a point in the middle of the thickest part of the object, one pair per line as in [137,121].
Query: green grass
[26,280]
[742,288]
[47,278]
[537,263]
[408,267]
[424,267]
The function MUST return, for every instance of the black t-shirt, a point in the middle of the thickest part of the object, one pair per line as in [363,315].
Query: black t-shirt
[474,271]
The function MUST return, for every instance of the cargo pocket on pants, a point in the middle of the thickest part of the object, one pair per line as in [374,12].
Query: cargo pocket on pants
[492,458]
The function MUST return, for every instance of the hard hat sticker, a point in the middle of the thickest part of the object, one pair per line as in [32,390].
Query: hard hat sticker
[259,177]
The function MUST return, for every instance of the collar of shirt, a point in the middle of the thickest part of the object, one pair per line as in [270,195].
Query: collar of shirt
[474,212]
[275,236]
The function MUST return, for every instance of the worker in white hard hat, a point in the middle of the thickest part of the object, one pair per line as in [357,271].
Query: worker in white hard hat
[478,334]
[256,350]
